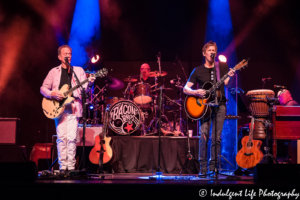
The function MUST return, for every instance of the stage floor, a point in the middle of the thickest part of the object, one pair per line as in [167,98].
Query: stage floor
[141,185]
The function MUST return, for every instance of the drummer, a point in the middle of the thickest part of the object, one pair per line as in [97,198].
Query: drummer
[145,69]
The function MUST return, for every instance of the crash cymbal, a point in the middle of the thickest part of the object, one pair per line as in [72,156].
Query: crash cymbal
[156,73]
[130,79]
[114,83]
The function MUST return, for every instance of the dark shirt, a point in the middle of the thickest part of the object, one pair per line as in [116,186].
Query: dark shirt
[149,80]
[65,78]
[292,103]
[203,74]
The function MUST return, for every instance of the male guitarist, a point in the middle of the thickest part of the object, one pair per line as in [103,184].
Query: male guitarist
[200,75]
[67,123]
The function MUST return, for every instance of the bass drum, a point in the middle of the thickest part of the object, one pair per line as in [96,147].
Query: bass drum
[124,117]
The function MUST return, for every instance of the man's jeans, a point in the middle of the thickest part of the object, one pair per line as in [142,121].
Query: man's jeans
[204,137]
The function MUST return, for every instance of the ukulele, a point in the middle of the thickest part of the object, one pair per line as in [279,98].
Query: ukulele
[198,107]
[250,154]
[102,152]
[54,109]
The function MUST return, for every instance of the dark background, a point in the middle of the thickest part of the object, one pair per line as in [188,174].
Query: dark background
[135,31]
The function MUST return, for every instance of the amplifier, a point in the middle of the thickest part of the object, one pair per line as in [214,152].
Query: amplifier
[9,129]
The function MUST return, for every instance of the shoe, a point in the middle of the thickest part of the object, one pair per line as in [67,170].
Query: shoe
[203,173]
[62,172]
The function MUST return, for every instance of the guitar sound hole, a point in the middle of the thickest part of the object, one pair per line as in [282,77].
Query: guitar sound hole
[249,144]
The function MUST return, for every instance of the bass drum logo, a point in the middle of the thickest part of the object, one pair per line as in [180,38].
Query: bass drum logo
[124,117]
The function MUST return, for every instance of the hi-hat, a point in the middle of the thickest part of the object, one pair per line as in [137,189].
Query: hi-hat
[130,79]
[156,73]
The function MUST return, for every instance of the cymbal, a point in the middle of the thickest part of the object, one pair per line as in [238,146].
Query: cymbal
[156,73]
[114,83]
[130,79]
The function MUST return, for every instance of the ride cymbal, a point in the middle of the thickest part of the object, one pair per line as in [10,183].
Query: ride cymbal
[156,73]
[130,79]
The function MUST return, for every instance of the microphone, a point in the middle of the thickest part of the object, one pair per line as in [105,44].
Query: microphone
[279,87]
[264,79]
[212,55]
[66,60]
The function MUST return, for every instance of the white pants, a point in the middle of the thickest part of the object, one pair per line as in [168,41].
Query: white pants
[66,129]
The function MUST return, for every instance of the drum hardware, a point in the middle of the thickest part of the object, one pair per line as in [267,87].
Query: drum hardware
[128,93]
[154,124]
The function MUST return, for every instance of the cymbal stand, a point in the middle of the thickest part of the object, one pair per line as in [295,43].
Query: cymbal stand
[127,91]
[155,121]
[181,122]
[94,101]
[101,98]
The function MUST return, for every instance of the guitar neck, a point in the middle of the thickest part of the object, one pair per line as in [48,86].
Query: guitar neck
[75,87]
[215,86]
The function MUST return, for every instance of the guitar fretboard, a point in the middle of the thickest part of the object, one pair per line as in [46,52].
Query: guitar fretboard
[75,87]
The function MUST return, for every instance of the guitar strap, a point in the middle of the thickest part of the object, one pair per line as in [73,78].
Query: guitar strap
[217,70]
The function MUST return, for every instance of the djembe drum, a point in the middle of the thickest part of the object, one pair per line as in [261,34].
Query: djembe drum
[259,107]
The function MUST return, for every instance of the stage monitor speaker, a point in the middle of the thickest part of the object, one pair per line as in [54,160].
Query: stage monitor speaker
[18,172]
[270,173]
[9,129]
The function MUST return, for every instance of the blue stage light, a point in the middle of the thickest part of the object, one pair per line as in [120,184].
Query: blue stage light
[219,29]
[85,29]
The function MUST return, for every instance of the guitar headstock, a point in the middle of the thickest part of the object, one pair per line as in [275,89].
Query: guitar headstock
[241,65]
[101,73]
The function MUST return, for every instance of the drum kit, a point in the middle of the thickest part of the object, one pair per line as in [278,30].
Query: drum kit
[140,99]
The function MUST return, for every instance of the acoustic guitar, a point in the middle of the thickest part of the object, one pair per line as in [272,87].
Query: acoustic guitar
[250,154]
[54,109]
[198,107]
[102,153]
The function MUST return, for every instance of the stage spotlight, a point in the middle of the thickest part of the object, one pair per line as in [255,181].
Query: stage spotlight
[95,58]
[91,107]
[222,58]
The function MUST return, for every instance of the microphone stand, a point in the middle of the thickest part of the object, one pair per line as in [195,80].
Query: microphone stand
[178,60]
[159,173]
[84,95]
[215,107]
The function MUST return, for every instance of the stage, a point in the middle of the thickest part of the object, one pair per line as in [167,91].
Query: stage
[139,185]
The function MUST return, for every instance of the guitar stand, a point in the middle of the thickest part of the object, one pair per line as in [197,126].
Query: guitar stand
[267,155]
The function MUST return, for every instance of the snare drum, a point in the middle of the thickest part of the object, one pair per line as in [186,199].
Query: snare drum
[142,93]
[258,102]
[124,117]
